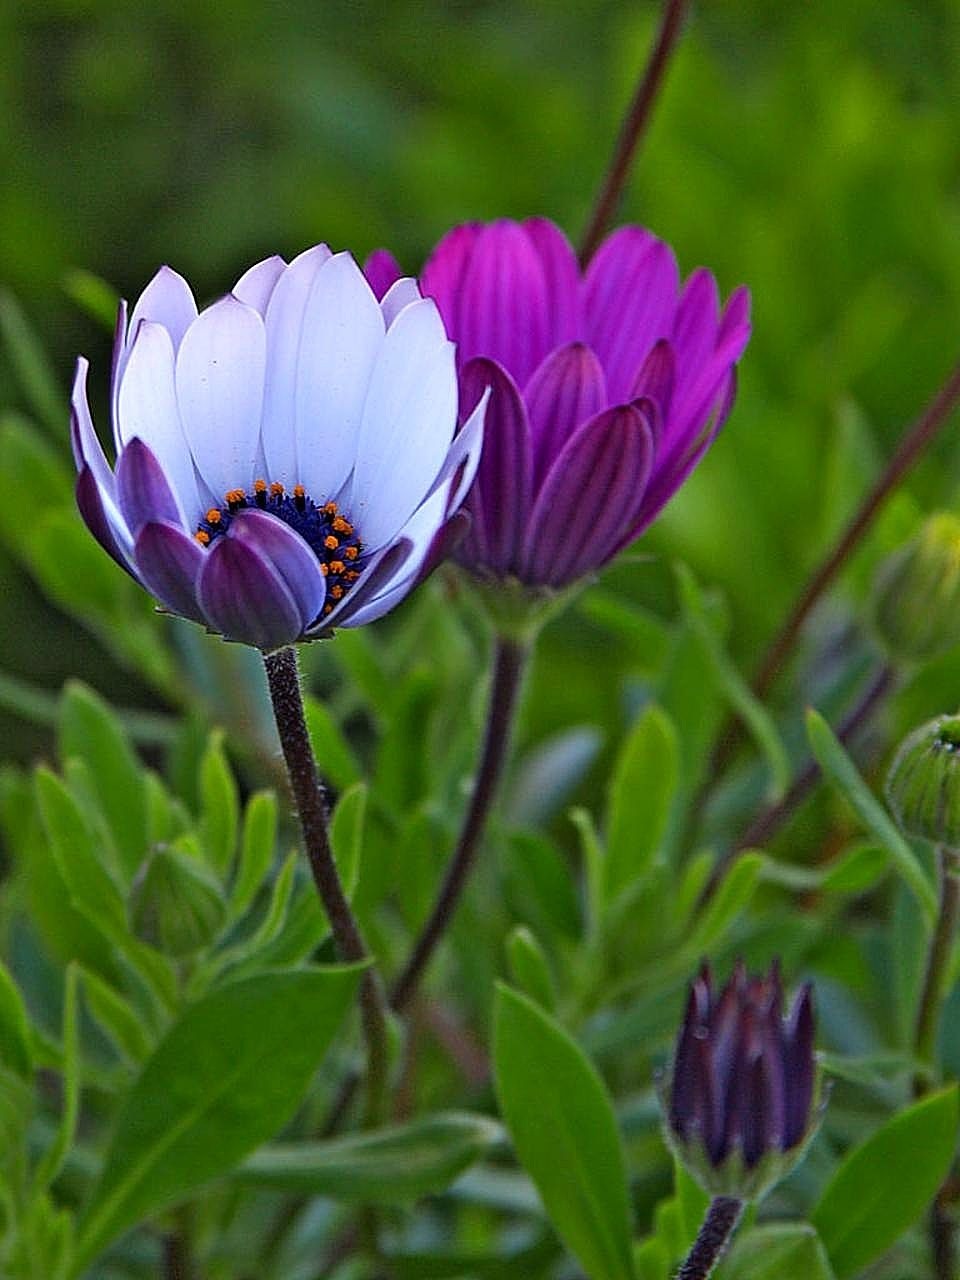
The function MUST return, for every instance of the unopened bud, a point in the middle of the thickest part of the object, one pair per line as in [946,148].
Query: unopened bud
[916,596]
[175,903]
[740,1106]
[923,785]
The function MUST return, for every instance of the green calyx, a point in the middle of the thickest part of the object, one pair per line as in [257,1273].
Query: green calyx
[518,611]
[923,785]
[916,595]
[175,903]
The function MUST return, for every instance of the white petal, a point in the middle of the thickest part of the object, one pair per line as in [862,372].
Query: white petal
[464,452]
[342,335]
[400,294]
[167,300]
[220,368]
[147,408]
[256,285]
[408,422]
[284,322]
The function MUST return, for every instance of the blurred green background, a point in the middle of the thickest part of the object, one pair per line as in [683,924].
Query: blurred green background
[810,150]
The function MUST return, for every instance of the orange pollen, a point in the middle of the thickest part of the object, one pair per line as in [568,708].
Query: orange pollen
[337,566]
[213,516]
[276,489]
[324,568]
[299,491]
[337,592]
[342,526]
[351,552]
[202,537]
[259,486]
[351,575]
[330,542]
[329,508]
[234,495]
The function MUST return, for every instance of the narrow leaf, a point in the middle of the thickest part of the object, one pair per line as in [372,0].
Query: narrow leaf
[257,850]
[219,806]
[346,834]
[530,968]
[640,796]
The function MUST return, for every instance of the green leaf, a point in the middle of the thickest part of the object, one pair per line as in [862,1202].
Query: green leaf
[30,363]
[93,295]
[594,868]
[336,763]
[733,896]
[90,731]
[15,1052]
[736,690]
[346,834]
[387,1166]
[227,1075]
[887,1182]
[177,904]
[843,774]
[530,968]
[115,1017]
[779,1251]
[651,1260]
[565,1133]
[52,1162]
[257,849]
[639,799]
[219,806]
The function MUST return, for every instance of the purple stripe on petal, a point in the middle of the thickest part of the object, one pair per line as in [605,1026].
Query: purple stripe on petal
[566,390]
[562,275]
[594,487]
[504,306]
[91,508]
[657,377]
[289,556]
[505,475]
[382,270]
[630,296]
[143,493]
[169,563]
[243,598]
[695,323]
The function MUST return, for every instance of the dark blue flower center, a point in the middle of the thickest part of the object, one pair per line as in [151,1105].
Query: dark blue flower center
[326,531]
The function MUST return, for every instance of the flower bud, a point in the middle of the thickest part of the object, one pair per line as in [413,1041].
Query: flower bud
[923,785]
[175,904]
[916,595]
[740,1104]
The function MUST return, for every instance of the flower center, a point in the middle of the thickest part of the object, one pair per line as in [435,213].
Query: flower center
[328,533]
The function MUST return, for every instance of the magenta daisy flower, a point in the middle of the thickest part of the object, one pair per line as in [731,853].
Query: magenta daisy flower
[607,387]
[286,459]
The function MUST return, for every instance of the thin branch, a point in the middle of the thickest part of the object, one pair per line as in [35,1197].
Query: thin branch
[633,128]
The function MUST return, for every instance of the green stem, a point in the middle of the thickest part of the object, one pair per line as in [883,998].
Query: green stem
[938,959]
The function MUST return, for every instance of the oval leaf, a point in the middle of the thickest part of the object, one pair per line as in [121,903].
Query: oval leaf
[641,793]
[390,1165]
[226,1077]
[563,1127]
[886,1183]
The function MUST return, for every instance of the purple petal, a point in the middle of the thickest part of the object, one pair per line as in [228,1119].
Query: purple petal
[798,1067]
[142,490]
[736,314]
[169,563]
[256,285]
[504,305]
[697,318]
[562,275]
[593,489]
[91,507]
[565,391]
[505,475]
[288,554]
[84,440]
[630,296]
[442,276]
[382,270]
[244,598]
[657,376]
[119,349]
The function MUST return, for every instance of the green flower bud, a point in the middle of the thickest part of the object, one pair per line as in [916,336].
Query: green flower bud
[916,595]
[923,785]
[175,903]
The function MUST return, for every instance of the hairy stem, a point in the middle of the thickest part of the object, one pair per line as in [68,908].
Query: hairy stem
[767,823]
[509,662]
[712,1239]
[633,128]
[938,962]
[912,444]
[283,677]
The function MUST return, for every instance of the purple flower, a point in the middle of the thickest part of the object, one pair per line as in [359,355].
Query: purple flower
[607,387]
[286,460]
[743,1077]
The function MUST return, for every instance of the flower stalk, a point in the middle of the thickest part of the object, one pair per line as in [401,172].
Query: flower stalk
[712,1239]
[283,678]
[938,959]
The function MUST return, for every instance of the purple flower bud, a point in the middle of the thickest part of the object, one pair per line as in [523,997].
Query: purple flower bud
[741,1097]
[286,460]
[606,389]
